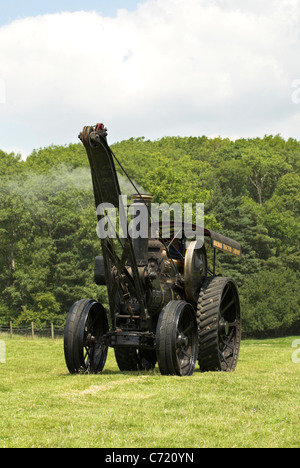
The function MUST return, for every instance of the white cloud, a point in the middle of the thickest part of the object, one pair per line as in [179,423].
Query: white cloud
[173,67]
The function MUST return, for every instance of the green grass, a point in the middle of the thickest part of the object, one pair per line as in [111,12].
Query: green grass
[41,405]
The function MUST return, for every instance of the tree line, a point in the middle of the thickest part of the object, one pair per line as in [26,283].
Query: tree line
[251,192]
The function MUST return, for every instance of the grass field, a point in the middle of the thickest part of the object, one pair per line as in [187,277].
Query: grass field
[41,405]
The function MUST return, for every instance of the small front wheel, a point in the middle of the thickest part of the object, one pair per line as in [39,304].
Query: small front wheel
[177,339]
[83,344]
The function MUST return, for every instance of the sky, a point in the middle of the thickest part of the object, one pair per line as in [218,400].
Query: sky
[148,68]
[17,9]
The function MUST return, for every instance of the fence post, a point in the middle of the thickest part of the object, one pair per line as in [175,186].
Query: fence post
[32,329]
[52,331]
[10,329]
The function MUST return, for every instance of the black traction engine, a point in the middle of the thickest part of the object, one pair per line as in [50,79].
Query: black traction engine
[166,305]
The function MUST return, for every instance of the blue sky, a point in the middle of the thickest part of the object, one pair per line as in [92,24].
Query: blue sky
[16,9]
[155,68]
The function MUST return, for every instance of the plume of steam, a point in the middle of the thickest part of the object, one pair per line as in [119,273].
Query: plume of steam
[61,178]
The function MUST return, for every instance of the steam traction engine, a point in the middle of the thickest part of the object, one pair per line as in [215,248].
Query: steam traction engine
[166,306]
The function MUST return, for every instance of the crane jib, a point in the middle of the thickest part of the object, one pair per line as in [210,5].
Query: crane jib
[107,190]
[104,175]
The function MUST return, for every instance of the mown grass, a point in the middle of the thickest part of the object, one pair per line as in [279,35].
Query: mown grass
[41,405]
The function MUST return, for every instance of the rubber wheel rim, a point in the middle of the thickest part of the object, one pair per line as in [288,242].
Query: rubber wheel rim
[83,345]
[177,339]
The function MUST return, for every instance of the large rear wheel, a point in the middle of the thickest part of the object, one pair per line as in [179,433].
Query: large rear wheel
[83,345]
[219,325]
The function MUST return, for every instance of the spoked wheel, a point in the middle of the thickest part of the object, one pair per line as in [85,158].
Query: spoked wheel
[219,325]
[177,339]
[83,346]
[131,359]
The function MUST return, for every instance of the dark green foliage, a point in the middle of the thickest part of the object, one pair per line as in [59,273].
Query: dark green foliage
[251,191]
[271,303]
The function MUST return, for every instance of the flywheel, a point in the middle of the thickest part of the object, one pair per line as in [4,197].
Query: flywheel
[195,271]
